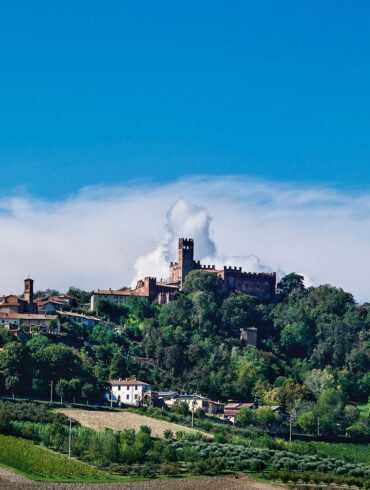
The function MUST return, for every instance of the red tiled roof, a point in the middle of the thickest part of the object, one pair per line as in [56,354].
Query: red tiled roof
[35,316]
[116,293]
[78,315]
[127,382]
[27,316]
[11,316]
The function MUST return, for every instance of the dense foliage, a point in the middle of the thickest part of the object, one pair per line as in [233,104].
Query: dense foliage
[312,358]
[38,462]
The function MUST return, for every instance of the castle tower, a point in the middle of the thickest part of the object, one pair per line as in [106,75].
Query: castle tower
[186,258]
[28,290]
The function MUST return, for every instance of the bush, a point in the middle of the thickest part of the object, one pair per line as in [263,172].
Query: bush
[148,470]
[220,438]
[168,434]
[169,469]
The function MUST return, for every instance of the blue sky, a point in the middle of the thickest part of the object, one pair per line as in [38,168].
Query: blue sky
[119,91]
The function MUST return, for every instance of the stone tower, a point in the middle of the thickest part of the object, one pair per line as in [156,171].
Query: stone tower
[186,257]
[28,290]
[185,264]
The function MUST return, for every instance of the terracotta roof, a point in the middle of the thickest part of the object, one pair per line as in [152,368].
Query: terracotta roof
[115,293]
[78,315]
[168,285]
[35,316]
[11,316]
[127,382]
[15,298]
[216,403]
[232,405]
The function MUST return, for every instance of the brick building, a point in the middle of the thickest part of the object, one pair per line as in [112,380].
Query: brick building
[261,284]
[17,304]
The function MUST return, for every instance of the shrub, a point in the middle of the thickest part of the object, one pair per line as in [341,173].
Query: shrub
[169,454]
[148,470]
[168,434]
[169,469]
[220,438]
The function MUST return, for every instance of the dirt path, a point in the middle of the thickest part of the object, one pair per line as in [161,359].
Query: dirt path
[10,481]
[123,420]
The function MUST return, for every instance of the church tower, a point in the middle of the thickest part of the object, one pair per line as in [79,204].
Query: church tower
[28,290]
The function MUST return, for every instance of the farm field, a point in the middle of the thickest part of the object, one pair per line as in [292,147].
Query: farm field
[8,480]
[123,420]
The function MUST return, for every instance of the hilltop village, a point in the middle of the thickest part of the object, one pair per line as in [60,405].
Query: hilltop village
[31,315]
[221,342]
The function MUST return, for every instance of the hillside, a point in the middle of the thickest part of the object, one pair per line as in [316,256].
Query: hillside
[124,420]
[312,355]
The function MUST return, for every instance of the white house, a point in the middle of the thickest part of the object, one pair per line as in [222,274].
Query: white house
[128,391]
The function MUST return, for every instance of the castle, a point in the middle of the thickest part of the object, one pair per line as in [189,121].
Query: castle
[260,285]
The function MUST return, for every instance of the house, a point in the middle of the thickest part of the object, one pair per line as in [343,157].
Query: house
[52,303]
[215,408]
[195,401]
[128,391]
[231,410]
[88,320]
[35,322]
[166,395]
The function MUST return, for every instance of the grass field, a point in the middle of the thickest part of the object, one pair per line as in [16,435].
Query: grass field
[123,420]
[40,463]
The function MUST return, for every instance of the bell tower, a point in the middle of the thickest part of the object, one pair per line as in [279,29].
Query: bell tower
[28,290]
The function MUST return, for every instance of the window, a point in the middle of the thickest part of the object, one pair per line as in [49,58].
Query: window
[118,388]
[127,387]
[136,396]
[127,397]
[136,388]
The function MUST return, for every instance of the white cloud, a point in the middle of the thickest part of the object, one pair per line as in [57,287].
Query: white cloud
[106,237]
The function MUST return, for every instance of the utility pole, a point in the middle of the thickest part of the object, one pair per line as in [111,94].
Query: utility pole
[51,391]
[318,425]
[69,438]
[290,429]
[192,412]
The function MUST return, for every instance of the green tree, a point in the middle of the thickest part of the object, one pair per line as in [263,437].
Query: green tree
[307,421]
[87,392]
[12,383]
[297,339]
[265,416]
[319,380]
[239,311]
[75,388]
[206,282]
[61,388]
[246,416]
[289,283]
[119,364]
